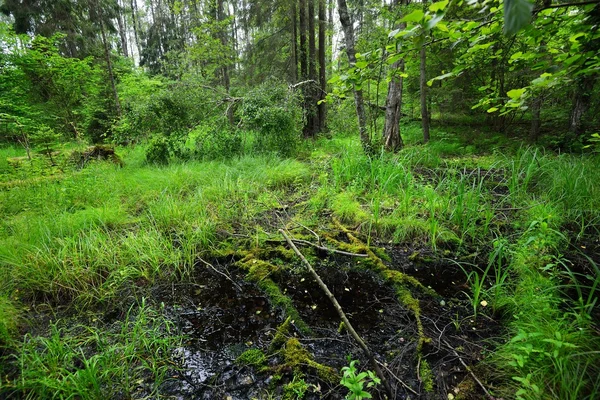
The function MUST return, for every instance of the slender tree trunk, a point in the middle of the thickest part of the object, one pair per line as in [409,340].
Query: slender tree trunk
[582,100]
[536,123]
[122,29]
[110,69]
[224,42]
[322,65]
[393,105]
[393,109]
[311,93]
[303,32]
[423,88]
[348,29]
[294,44]
[134,19]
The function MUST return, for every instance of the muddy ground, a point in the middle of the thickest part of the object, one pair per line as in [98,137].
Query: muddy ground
[220,321]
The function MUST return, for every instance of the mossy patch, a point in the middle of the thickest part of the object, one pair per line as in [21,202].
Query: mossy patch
[281,335]
[296,357]
[397,278]
[253,357]
[426,375]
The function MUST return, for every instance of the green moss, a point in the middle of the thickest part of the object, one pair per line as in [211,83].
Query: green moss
[281,335]
[296,356]
[296,389]
[259,272]
[426,376]
[254,357]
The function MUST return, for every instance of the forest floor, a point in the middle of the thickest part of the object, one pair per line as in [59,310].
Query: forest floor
[469,269]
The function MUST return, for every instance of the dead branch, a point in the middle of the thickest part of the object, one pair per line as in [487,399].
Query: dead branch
[488,395]
[326,249]
[342,315]
[220,272]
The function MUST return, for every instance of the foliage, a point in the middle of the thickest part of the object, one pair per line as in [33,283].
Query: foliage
[357,383]
[157,151]
[273,111]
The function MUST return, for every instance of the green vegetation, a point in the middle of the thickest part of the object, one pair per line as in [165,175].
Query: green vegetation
[437,163]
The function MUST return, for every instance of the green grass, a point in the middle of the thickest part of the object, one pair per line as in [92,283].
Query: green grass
[84,236]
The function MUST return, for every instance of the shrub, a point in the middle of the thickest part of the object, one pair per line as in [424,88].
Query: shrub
[274,112]
[157,151]
[211,140]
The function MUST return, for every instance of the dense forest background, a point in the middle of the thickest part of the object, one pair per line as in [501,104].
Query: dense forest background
[125,71]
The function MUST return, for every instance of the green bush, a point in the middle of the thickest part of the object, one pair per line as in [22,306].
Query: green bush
[157,151]
[211,140]
[274,112]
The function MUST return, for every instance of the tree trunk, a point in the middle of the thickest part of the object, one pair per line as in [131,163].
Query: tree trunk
[423,88]
[134,19]
[311,93]
[393,105]
[294,44]
[393,109]
[303,32]
[223,38]
[109,67]
[581,102]
[348,29]
[322,65]
[122,29]
[536,108]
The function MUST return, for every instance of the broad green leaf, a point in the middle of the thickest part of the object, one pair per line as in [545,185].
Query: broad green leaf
[442,27]
[394,33]
[439,78]
[515,93]
[434,21]
[439,6]
[415,16]
[517,14]
[493,109]
[361,64]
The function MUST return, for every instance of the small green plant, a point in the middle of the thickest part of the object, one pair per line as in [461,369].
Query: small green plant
[356,383]
[157,151]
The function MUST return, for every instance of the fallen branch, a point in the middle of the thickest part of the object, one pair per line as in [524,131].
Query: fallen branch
[342,315]
[220,272]
[327,249]
[489,396]
[399,380]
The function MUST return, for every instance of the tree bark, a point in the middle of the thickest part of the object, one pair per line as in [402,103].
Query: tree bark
[348,29]
[108,61]
[581,102]
[423,89]
[224,41]
[122,29]
[536,122]
[303,32]
[294,44]
[393,109]
[322,65]
[393,105]
[134,19]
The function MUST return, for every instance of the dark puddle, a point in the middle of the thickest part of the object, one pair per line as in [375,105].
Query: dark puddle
[220,321]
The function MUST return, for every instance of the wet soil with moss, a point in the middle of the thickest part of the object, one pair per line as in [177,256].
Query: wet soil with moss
[238,344]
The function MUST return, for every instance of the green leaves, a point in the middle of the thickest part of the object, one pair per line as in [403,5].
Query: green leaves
[415,16]
[517,14]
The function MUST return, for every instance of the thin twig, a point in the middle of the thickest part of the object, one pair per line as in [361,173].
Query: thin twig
[220,272]
[399,380]
[342,315]
[327,249]
[469,371]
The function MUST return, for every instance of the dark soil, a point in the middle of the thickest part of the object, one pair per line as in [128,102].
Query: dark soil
[219,322]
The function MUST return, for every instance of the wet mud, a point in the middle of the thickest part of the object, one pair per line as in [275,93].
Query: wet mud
[220,321]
